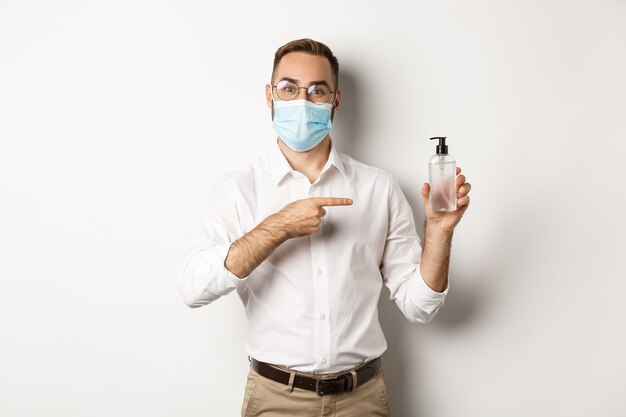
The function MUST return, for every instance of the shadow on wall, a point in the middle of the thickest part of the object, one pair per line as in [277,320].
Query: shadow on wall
[348,121]
[404,350]
[461,305]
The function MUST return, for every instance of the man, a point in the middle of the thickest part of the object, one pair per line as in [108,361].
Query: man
[307,236]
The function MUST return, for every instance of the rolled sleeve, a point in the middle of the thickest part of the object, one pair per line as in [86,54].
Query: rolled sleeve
[423,297]
[225,274]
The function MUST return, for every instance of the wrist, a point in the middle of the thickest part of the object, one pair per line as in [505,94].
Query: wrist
[274,226]
[437,231]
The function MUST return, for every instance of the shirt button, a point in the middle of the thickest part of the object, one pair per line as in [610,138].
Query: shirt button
[323,360]
[322,316]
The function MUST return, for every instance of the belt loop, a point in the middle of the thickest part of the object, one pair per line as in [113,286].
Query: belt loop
[354,381]
[292,377]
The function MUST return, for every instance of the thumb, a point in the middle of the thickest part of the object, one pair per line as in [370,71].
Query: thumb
[426,193]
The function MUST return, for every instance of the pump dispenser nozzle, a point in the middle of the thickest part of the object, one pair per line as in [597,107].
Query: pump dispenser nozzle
[442,148]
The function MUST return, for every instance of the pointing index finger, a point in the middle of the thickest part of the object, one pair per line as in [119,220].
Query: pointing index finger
[333,201]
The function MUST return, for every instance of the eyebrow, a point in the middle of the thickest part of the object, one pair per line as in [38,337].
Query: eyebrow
[294,80]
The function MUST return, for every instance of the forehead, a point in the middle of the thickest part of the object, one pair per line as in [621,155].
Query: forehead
[304,67]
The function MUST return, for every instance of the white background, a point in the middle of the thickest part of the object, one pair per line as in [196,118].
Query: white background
[115,116]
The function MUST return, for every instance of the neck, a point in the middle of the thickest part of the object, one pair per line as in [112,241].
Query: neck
[309,163]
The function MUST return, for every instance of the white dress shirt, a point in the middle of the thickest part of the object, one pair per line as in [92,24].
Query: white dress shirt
[312,304]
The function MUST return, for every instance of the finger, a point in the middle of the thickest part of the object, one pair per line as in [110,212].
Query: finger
[322,212]
[463,208]
[426,193]
[463,201]
[460,180]
[458,170]
[464,189]
[332,201]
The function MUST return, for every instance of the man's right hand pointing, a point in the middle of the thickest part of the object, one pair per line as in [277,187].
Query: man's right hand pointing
[304,217]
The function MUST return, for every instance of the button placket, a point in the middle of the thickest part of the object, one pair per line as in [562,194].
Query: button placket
[321,292]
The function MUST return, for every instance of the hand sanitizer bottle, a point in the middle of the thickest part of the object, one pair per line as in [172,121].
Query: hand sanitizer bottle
[442,178]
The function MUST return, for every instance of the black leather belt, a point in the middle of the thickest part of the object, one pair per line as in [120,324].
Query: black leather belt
[322,386]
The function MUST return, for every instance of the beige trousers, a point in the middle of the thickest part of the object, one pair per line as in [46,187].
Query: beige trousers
[268,398]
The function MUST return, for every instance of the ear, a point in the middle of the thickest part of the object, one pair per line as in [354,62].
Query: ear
[338,100]
[268,95]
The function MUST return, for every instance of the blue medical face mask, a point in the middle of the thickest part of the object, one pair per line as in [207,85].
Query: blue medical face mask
[301,124]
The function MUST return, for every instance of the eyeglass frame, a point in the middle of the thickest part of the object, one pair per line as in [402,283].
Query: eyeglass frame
[307,93]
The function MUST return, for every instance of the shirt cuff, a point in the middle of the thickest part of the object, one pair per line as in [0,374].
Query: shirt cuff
[222,251]
[425,297]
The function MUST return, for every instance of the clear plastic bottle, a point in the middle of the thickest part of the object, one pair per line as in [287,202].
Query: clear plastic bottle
[442,178]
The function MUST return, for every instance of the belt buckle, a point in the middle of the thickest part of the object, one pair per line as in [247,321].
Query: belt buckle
[320,390]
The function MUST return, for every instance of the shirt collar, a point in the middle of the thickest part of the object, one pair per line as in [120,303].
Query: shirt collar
[279,165]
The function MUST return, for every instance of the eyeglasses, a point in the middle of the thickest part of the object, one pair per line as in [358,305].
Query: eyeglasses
[317,93]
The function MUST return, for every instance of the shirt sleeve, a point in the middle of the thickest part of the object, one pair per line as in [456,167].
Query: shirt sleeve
[202,277]
[400,266]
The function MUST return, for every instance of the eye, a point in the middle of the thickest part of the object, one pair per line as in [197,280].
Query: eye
[318,90]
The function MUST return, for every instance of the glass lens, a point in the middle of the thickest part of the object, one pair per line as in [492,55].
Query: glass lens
[286,90]
[318,93]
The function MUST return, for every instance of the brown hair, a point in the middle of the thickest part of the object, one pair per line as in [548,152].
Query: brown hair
[310,46]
